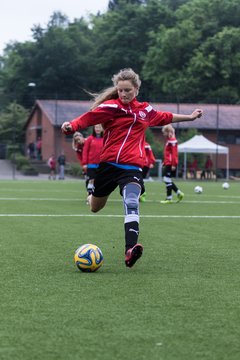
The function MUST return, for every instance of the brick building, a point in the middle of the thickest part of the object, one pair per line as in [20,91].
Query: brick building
[220,123]
[45,121]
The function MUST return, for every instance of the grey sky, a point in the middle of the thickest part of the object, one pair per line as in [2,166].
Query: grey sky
[18,17]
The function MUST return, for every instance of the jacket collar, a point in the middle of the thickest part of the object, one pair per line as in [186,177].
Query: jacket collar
[132,103]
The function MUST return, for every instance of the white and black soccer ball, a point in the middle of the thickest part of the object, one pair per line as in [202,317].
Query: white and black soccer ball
[225,186]
[198,189]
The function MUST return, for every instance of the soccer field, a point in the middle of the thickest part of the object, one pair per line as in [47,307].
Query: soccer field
[181,301]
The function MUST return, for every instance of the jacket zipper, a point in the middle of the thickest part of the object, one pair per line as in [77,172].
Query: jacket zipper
[124,141]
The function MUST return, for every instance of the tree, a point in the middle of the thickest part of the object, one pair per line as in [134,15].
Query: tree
[57,62]
[115,4]
[62,58]
[122,37]
[156,145]
[219,59]
[16,68]
[12,124]
[181,56]
[178,54]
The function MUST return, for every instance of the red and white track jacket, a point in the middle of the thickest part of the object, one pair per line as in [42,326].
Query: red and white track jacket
[171,152]
[124,129]
[92,150]
[150,158]
[79,152]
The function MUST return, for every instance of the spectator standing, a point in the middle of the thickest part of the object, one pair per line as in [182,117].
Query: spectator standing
[31,150]
[52,166]
[39,148]
[193,169]
[208,167]
[61,165]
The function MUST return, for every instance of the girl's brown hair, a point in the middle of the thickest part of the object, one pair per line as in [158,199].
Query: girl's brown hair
[111,92]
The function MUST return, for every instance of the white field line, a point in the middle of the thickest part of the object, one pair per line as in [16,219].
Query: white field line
[38,190]
[37,199]
[5,191]
[121,216]
[115,200]
[227,193]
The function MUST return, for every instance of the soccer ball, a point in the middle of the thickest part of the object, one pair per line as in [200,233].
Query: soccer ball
[88,258]
[225,186]
[198,189]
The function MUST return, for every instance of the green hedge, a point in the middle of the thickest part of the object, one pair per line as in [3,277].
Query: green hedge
[20,161]
[22,164]
[12,150]
[74,170]
[29,170]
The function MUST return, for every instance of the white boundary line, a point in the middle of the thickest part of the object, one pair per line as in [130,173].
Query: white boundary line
[38,199]
[114,200]
[121,216]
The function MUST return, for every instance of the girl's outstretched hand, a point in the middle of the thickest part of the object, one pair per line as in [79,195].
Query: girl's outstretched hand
[66,127]
[197,113]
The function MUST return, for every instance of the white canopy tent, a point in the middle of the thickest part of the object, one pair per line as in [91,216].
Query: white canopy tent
[199,144]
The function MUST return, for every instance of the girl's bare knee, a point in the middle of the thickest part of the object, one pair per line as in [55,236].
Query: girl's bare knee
[94,209]
[96,205]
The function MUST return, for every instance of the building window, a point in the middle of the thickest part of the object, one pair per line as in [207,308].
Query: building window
[228,139]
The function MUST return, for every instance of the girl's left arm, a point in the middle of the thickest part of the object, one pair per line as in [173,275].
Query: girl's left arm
[197,113]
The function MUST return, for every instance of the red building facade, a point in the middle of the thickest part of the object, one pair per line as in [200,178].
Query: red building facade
[220,124]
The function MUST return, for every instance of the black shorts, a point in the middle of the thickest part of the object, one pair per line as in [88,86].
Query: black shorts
[91,173]
[108,177]
[167,171]
[145,171]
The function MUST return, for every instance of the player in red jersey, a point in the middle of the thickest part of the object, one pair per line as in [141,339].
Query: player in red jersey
[149,164]
[91,155]
[125,121]
[149,160]
[52,167]
[78,144]
[170,163]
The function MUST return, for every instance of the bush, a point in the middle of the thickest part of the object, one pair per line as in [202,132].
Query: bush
[23,164]
[74,170]
[12,150]
[20,161]
[29,170]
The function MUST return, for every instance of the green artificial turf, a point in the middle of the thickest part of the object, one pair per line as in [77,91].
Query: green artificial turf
[180,301]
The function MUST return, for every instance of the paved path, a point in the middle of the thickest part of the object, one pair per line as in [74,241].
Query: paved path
[8,172]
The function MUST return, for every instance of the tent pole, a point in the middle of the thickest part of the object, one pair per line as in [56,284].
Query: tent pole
[227,169]
[185,166]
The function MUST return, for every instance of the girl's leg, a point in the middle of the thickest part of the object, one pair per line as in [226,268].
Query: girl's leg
[90,186]
[131,193]
[168,183]
[180,194]
[97,203]
[174,187]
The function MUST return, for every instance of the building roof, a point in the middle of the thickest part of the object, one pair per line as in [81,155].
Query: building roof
[225,117]
[59,111]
